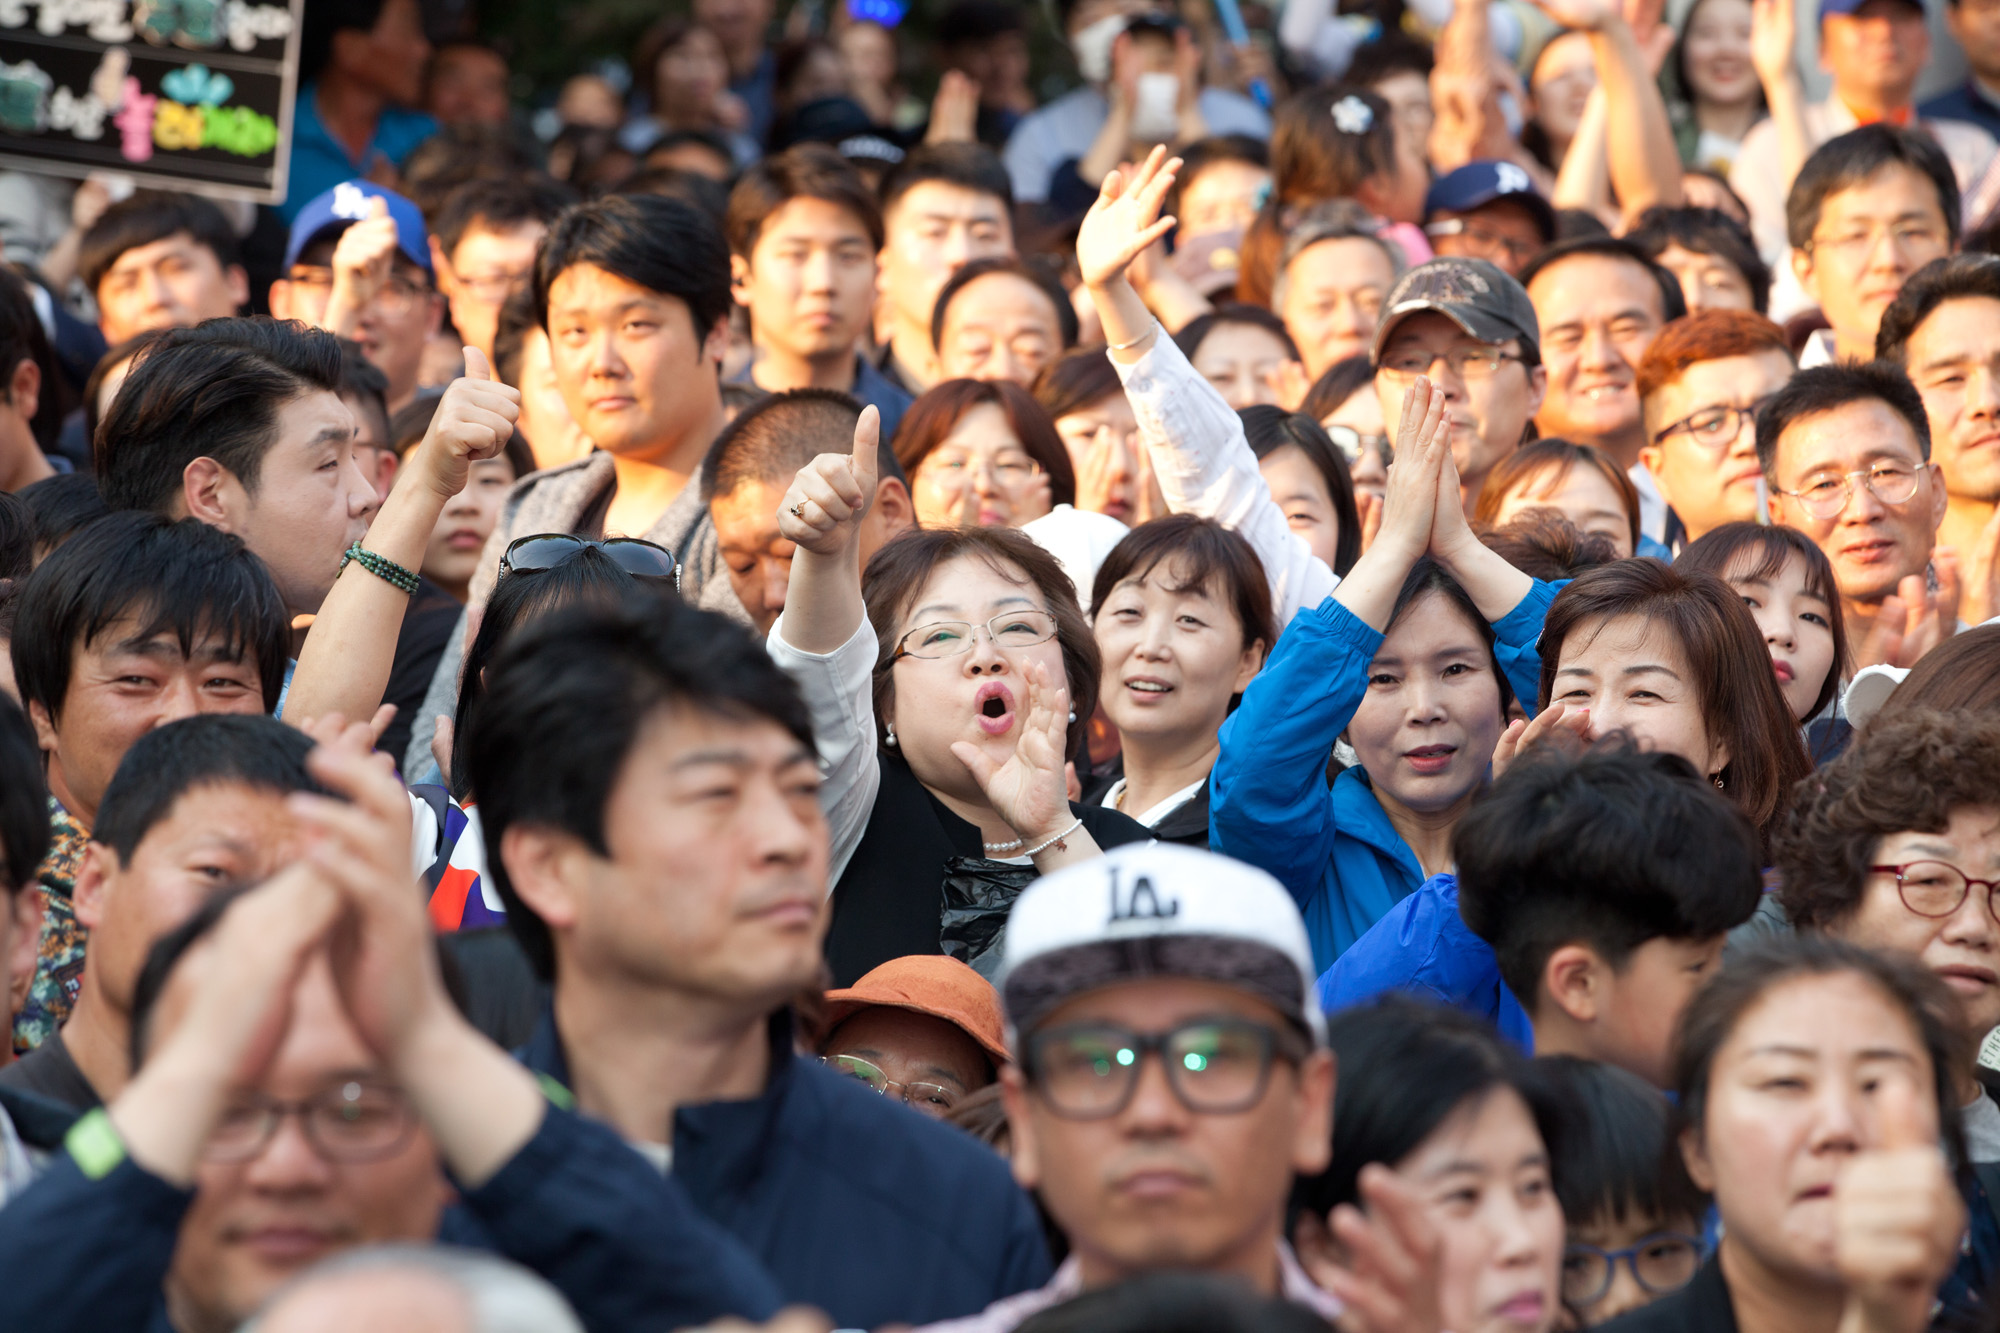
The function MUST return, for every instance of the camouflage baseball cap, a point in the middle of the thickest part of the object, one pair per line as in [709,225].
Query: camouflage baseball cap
[1471,293]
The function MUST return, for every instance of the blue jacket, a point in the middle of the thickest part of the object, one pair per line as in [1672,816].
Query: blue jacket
[1269,802]
[86,1248]
[1964,102]
[1423,947]
[855,1203]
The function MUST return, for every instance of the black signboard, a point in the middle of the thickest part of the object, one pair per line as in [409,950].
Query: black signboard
[179,94]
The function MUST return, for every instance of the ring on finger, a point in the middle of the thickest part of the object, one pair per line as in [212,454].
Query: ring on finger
[799,509]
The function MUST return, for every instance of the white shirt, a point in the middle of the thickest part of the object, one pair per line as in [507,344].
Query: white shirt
[1982,1130]
[838,690]
[1116,793]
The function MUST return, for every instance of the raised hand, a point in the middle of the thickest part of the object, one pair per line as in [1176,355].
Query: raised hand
[1584,15]
[954,111]
[1410,498]
[361,263]
[1979,584]
[823,509]
[474,420]
[1897,1218]
[1390,1280]
[1125,219]
[1520,737]
[1774,28]
[1028,790]
[1914,620]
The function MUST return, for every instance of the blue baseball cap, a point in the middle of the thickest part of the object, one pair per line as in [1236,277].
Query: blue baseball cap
[1477,184]
[1854,6]
[331,213]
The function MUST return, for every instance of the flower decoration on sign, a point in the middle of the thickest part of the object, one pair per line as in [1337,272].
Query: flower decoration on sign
[1351,115]
[197,85]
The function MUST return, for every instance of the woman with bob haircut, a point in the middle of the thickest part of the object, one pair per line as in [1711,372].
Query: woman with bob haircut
[1674,661]
[982,453]
[1578,482]
[1245,351]
[1787,582]
[1435,1099]
[947,690]
[1182,618]
[1081,394]
[1810,1074]
[1309,481]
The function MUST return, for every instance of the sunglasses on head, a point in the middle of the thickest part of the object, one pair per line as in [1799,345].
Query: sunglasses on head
[639,558]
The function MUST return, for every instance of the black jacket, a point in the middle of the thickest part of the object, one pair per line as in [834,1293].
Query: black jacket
[574,1204]
[1702,1306]
[889,901]
[854,1203]
[1186,823]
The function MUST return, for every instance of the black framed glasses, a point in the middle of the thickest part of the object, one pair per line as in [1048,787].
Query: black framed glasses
[1662,1262]
[635,555]
[932,1099]
[352,1121]
[949,638]
[1714,427]
[1937,888]
[1353,443]
[1089,1071]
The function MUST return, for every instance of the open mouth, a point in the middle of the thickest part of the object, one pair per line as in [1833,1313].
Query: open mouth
[994,707]
[1148,689]
[995,703]
[1431,758]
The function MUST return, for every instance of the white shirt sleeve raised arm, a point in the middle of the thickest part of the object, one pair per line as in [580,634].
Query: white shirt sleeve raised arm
[838,690]
[1204,465]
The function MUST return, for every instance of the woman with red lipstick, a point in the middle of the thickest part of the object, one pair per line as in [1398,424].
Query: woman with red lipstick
[947,688]
[1816,1082]
[1896,847]
[1182,618]
[1474,1129]
[1787,583]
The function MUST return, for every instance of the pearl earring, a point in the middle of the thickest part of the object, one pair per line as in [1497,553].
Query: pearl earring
[890,738]
[1072,715]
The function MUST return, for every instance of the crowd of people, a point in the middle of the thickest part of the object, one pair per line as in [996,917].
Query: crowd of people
[1347,676]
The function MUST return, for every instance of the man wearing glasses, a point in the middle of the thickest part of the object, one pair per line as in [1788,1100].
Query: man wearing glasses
[484,248]
[1472,329]
[1846,454]
[1488,210]
[1171,1074]
[1700,385]
[1868,210]
[359,264]
[1944,329]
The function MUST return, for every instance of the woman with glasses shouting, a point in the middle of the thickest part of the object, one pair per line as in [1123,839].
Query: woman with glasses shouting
[949,688]
[1897,848]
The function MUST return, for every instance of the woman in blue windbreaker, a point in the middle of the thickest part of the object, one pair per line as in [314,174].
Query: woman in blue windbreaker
[1414,659]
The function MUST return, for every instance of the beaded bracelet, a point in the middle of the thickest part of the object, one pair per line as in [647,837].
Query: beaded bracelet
[381,567]
[1056,842]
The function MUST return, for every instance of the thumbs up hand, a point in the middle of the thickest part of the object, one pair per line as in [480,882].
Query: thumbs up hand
[474,421]
[822,511]
[1898,1217]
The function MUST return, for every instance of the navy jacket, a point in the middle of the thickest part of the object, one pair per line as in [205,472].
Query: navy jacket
[855,1203]
[1964,102]
[575,1205]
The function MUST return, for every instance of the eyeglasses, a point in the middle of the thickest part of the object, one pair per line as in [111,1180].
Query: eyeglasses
[1468,363]
[1662,1262]
[949,638]
[1914,240]
[1088,1071]
[395,298]
[1352,444]
[353,1122]
[1891,483]
[955,472]
[930,1098]
[1936,889]
[1714,427]
[1483,240]
[547,550]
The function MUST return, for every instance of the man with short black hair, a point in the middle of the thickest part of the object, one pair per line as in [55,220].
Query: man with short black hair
[943,206]
[1846,453]
[649,793]
[483,245]
[752,466]
[803,232]
[365,391]
[1944,330]
[1489,210]
[1600,302]
[1000,318]
[197,807]
[361,77]
[1123,980]
[1868,209]
[359,265]
[161,261]
[135,621]
[239,423]
[24,355]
